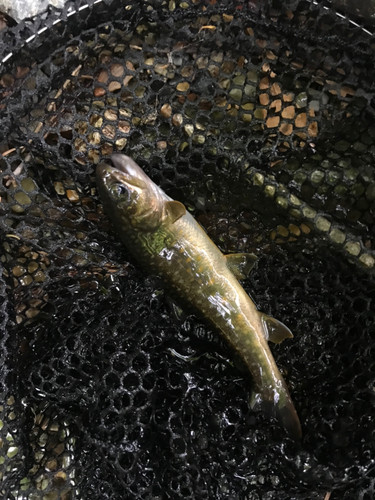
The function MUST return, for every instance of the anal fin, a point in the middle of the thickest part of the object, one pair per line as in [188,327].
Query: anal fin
[275,330]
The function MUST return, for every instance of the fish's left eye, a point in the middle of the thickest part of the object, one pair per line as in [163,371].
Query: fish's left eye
[119,191]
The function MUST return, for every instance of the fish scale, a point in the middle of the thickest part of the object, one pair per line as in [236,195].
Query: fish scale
[171,244]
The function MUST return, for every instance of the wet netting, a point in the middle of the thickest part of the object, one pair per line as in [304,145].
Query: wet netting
[259,117]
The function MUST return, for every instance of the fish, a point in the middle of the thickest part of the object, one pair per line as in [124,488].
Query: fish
[168,242]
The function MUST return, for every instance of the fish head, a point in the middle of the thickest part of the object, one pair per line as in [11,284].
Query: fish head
[129,196]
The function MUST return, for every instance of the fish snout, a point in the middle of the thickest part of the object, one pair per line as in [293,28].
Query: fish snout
[128,166]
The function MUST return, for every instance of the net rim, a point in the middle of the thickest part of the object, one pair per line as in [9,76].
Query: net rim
[58,15]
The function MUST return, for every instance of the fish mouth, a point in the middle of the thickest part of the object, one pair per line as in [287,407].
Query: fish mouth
[103,170]
[121,168]
[136,176]
[127,166]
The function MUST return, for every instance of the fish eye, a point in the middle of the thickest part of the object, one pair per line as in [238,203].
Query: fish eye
[119,191]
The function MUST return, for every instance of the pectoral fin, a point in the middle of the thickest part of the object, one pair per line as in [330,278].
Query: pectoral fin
[175,210]
[275,330]
[241,264]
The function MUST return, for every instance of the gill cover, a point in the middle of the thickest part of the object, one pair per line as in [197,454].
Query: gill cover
[130,195]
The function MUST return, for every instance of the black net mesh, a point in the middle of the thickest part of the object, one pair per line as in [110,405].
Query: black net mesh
[259,117]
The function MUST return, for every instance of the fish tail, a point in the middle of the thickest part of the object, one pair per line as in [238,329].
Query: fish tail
[287,416]
[278,403]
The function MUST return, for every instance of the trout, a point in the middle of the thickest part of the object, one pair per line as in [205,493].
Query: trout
[168,242]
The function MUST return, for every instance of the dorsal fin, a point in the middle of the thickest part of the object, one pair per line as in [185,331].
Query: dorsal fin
[174,210]
[241,264]
[275,331]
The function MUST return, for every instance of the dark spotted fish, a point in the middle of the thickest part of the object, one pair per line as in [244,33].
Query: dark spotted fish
[168,242]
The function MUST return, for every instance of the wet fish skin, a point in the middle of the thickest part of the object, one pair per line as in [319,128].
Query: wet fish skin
[167,241]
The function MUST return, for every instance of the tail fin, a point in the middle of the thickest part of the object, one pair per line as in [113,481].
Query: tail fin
[287,416]
[278,403]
